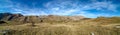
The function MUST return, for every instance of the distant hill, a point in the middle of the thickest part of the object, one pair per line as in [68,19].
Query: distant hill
[17,24]
[2,15]
[9,16]
[42,18]
[19,18]
[107,20]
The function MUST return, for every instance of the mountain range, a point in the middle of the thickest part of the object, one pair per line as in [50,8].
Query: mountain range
[42,18]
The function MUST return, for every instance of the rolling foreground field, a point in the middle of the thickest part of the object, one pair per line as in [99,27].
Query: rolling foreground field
[59,25]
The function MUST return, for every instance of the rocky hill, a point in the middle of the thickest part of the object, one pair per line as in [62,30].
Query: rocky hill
[37,19]
[17,24]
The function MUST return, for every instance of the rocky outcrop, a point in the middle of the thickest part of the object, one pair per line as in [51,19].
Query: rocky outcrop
[38,19]
[4,16]
[9,16]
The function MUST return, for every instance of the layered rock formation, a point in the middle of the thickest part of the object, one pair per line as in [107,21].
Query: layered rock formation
[45,18]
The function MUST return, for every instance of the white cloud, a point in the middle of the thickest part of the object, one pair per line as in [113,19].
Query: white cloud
[34,12]
[55,9]
[17,9]
[103,6]
[67,7]
[16,12]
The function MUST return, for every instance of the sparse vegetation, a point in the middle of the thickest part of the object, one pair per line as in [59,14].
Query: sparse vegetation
[54,25]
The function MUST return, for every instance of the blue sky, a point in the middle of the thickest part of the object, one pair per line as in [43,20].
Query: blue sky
[87,8]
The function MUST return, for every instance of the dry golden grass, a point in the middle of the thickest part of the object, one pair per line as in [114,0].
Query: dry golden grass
[99,26]
[70,28]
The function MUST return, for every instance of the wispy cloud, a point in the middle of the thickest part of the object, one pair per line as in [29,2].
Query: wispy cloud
[102,6]
[63,7]
[69,7]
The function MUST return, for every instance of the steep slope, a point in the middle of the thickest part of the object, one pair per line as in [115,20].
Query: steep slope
[4,15]
[18,18]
